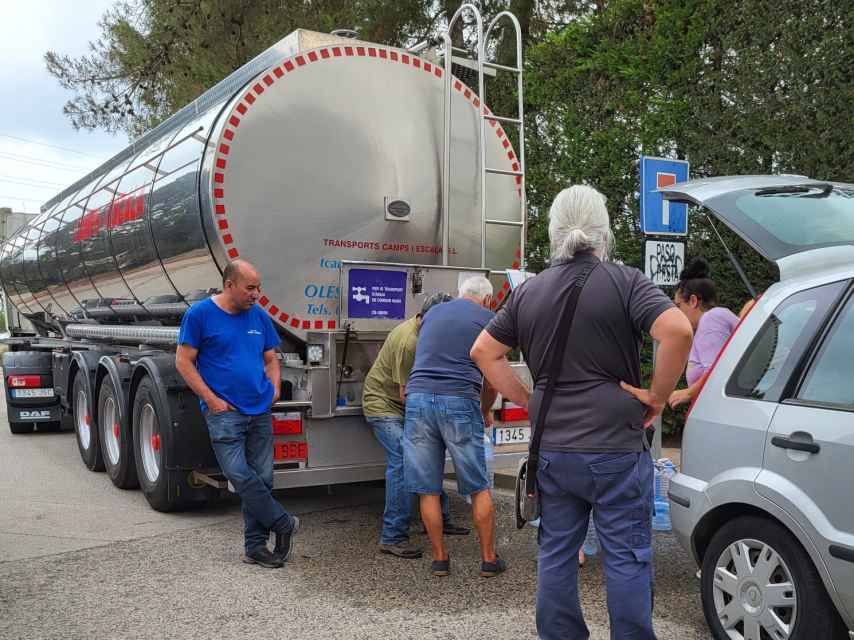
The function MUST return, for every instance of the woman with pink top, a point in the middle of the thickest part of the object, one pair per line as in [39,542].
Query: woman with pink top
[696,298]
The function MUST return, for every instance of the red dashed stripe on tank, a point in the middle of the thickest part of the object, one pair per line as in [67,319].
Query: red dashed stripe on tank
[280,71]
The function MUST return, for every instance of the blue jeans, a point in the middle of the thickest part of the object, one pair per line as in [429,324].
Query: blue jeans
[434,424]
[244,449]
[618,486]
[398,501]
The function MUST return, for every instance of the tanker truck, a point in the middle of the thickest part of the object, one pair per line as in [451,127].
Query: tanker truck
[359,178]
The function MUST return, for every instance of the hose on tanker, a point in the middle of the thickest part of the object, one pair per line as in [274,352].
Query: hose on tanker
[343,364]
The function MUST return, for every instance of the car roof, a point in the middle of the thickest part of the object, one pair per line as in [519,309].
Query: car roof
[699,190]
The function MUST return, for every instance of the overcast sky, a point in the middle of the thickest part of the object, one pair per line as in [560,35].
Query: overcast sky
[31,101]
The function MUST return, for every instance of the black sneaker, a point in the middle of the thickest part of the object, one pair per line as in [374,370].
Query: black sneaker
[285,541]
[263,557]
[492,569]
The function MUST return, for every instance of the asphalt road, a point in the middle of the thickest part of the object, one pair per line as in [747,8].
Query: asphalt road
[82,559]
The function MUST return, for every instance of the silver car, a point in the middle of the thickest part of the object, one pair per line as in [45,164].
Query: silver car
[764,498]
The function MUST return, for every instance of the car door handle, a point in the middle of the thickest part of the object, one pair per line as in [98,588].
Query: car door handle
[787,443]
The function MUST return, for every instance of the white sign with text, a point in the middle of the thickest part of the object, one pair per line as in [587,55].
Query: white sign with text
[663,261]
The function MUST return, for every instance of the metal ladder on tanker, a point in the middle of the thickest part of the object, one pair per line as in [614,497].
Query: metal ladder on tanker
[483,117]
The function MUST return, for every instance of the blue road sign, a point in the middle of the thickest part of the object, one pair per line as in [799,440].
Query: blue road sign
[660,218]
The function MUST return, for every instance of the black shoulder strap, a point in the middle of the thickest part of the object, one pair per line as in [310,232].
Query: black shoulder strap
[557,349]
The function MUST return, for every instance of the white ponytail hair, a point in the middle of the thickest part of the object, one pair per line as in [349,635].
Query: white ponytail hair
[578,221]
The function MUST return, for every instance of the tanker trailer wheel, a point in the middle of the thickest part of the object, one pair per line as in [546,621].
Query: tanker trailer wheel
[84,425]
[148,448]
[115,435]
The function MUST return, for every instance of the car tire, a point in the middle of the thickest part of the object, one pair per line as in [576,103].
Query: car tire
[116,437]
[738,599]
[85,427]
[20,428]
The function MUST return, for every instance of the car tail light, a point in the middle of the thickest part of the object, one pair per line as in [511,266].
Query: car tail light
[708,374]
[24,382]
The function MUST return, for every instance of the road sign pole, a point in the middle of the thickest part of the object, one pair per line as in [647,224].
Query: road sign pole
[664,257]
[658,424]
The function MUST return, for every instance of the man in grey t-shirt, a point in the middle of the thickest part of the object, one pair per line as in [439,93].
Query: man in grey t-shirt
[592,453]
[618,306]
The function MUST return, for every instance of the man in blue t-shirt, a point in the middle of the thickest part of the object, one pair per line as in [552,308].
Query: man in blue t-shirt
[227,355]
[446,409]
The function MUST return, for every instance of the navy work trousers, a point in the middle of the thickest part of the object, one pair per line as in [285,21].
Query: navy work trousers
[618,486]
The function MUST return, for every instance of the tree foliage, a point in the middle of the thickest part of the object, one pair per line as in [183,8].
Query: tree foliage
[743,87]
[734,87]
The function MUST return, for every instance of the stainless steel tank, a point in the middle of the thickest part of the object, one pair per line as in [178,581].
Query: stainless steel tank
[320,149]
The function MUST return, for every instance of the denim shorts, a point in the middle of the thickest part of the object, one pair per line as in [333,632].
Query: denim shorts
[433,425]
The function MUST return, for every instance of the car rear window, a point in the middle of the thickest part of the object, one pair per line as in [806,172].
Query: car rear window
[785,220]
[768,363]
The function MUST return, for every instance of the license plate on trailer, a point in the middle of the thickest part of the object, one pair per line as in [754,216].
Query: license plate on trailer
[511,435]
[290,450]
[32,393]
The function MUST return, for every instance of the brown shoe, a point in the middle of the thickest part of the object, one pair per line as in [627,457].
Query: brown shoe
[402,550]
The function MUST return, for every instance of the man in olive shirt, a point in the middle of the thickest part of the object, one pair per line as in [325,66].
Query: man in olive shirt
[383,405]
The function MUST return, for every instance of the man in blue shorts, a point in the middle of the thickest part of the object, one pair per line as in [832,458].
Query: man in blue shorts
[447,409]
[383,403]
[227,355]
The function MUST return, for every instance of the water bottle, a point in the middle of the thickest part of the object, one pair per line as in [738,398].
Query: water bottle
[661,517]
[664,470]
[591,540]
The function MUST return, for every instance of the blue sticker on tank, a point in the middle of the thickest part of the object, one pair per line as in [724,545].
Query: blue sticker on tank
[377,294]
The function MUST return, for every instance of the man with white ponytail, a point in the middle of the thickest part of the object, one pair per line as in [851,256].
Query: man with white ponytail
[594,452]
[447,408]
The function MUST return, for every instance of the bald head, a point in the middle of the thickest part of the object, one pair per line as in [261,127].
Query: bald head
[238,269]
[241,284]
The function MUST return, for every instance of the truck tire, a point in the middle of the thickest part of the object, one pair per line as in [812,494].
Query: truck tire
[148,452]
[84,426]
[116,437]
[20,428]
[757,580]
